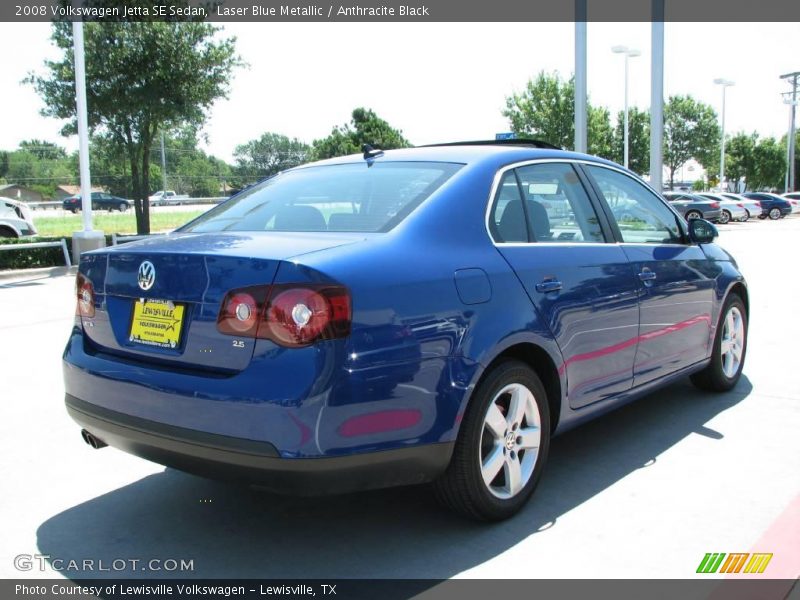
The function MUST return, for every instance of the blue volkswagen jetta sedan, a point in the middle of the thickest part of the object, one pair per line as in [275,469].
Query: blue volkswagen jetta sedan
[430,314]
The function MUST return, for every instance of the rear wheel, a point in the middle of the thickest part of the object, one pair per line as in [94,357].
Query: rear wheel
[693,214]
[501,448]
[774,213]
[725,217]
[123,206]
[7,232]
[730,348]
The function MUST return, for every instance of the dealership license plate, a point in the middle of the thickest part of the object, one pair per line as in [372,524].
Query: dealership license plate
[157,323]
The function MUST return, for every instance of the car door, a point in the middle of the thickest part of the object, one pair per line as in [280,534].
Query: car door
[675,280]
[552,234]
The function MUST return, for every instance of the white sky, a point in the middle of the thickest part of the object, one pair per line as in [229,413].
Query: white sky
[439,81]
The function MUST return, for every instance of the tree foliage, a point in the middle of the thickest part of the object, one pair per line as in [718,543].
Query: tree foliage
[546,110]
[638,140]
[142,78]
[267,155]
[690,131]
[365,127]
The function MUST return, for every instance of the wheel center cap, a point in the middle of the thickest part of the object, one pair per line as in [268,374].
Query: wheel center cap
[511,440]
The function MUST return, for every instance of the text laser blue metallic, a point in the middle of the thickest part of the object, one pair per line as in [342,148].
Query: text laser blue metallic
[431,314]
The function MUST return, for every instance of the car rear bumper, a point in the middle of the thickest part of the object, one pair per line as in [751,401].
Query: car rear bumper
[259,463]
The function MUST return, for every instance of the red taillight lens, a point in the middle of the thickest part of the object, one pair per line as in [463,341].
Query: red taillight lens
[758,204]
[289,315]
[239,314]
[740,205]
[715,205]
[84,291]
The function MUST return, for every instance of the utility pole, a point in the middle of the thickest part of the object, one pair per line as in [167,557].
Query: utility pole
[657,95]
[581,123]
[790,142]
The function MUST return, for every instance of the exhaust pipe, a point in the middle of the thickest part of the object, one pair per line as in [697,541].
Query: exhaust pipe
[92,441]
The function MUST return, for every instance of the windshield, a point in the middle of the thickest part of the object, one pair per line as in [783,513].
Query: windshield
[347,197]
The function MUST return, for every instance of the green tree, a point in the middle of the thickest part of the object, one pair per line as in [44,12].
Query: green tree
[267,155]
[638,140]
[690,131]
[546,110]
[43,150]
[770,165]
[142,78]
[365,127]
[600,133]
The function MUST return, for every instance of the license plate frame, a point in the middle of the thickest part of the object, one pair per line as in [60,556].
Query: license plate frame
[156,323]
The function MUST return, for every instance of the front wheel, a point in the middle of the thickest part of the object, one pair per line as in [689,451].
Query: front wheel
[724,217]
[730,348]
[775,214]
[501,448]
[123,206]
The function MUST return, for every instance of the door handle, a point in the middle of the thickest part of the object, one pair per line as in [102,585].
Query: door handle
[647,275]
[549,285]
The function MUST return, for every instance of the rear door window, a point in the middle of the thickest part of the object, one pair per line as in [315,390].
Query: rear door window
[544,202]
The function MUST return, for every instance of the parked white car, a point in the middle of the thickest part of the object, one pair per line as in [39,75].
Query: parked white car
[752,206]
[165,197]
[794,199]
[731,210]
[16,219]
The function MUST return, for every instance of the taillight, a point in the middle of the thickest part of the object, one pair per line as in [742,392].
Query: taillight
[291,315]
[758,204]
[84,291]
[715,205]
[740,205]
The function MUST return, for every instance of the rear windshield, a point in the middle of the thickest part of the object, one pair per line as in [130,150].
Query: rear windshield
[348,197]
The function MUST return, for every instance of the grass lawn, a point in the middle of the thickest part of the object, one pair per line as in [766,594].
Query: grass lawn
[112,222]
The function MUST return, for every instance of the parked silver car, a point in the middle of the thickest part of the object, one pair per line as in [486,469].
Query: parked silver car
[16,219]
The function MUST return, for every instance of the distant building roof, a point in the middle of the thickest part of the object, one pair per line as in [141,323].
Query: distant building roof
[74,190]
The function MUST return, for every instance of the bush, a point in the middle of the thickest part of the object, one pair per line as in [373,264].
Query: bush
[34,257]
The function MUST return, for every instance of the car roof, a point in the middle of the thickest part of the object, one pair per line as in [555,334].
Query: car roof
[469,153]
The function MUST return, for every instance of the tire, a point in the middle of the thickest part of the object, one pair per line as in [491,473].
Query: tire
[7,232]
[774,213]
[123,206]
[74,211]
[724,217]
[693,214]
[723,372]
[462,487]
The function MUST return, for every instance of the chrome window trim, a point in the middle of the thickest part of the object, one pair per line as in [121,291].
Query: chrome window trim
[534,161]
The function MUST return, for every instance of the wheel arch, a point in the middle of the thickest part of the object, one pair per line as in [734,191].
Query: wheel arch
[542,363]
[8,231]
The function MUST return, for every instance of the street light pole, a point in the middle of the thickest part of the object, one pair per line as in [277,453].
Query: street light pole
[790,141]
[724,83]
[629,53]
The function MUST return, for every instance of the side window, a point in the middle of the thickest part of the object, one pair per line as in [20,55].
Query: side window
[641,216]
[558,208]
[507,219]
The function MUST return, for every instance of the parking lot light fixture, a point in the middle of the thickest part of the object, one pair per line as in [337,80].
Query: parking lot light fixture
[629,53]
[725,83]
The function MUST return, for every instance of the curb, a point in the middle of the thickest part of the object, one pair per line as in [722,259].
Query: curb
[38,273]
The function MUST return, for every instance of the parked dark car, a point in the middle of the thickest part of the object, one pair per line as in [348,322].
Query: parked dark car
[694,207]
[772,205]
[100,200]
[430,314]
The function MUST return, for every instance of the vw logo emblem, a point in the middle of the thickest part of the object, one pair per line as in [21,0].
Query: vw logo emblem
[147,275]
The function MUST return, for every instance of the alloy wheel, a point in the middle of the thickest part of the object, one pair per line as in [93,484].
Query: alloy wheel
[510,441]
[732,344]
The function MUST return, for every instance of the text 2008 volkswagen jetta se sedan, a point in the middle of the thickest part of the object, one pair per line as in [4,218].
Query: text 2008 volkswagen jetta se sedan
[426,314]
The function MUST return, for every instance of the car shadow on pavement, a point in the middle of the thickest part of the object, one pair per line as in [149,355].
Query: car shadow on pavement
[233,531]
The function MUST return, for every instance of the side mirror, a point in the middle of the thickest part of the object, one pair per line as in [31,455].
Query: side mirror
[701,231]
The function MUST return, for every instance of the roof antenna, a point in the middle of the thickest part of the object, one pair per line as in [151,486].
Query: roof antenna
[371,153]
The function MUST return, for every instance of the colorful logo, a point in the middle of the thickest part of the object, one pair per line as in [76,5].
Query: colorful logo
[713,562]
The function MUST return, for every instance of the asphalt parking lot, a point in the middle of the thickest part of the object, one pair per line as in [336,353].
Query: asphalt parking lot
[643,492]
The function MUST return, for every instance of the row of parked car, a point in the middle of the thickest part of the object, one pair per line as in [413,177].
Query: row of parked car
[724,207]
[104,201]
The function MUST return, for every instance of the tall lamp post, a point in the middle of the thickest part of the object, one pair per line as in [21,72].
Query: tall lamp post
[629,53]
[725,83]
